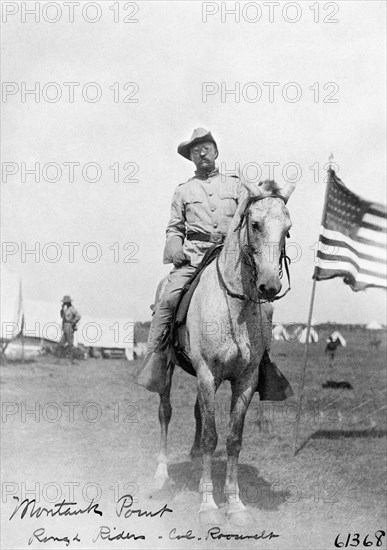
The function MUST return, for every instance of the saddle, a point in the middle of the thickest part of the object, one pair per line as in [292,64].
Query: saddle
[272,384]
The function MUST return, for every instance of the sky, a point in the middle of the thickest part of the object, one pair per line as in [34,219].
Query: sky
[168,69]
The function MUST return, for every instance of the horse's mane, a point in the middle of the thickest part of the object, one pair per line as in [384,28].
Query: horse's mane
[268,187]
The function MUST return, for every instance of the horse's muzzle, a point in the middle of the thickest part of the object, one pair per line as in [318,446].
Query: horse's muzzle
[268,291]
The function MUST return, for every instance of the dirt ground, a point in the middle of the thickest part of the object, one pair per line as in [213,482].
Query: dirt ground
[80,431]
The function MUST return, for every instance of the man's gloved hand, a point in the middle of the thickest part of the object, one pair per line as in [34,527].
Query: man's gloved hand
[180,258]
[174,253]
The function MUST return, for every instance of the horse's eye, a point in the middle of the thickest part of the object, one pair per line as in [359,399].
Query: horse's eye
[255,226]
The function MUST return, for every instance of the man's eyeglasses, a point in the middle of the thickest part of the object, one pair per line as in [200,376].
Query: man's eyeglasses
[197,150]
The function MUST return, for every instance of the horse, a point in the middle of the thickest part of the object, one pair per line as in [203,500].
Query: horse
[233,297]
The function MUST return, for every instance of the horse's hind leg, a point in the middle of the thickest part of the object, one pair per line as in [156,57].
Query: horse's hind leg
[240,401]
[196,453]
[165,414]
[209,512]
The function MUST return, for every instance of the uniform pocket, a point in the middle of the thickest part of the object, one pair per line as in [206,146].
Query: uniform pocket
[229,203]
[193,209]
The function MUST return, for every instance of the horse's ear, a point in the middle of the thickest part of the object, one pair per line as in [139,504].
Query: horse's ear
[252,188]
[267,188]
[287,190]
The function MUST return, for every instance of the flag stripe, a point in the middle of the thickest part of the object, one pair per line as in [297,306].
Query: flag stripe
[378,210]
[375,220]
[344,268]
[365,268]
[361,238]
[334,243]
[379,270]
[373,236]
[356,284]
[375,252]
[373,227]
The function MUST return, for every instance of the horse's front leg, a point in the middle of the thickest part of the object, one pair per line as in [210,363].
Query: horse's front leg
[165,414]
[209,512]
[240,401]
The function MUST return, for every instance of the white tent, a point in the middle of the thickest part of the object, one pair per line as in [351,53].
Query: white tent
[106,333]
[42,320]
[374,325]
[337,336]
[11,305]
[279,332]
[301,335]
[41,323]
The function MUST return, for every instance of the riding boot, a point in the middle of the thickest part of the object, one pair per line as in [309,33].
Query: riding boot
[272,384]
[153,372]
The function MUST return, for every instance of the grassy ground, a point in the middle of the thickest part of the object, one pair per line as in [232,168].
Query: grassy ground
[96,433]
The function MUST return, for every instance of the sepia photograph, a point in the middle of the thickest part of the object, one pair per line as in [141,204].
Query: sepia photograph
[193,275]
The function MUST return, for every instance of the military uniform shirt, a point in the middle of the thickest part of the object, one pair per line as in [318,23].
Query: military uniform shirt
[202,206]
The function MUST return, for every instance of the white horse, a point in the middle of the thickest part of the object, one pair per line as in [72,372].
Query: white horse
[231,295]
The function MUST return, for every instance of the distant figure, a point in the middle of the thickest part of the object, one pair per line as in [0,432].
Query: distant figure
[375,342]
[331,348]
[70,318]
[334,341]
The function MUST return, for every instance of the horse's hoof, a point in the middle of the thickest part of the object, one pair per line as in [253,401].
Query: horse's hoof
[158,487]
[211,517]
[160,483]
[240,518]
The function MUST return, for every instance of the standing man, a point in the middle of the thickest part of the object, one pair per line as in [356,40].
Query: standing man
[201,212]
[70,318]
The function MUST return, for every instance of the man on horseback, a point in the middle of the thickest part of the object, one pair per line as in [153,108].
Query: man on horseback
[234,292]
[201,212]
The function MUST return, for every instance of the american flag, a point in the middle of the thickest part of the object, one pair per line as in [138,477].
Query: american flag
[353,238]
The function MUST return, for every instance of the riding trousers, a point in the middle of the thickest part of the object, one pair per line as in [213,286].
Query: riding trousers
[164,309]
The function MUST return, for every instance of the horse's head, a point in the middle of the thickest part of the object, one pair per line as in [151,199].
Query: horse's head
[266,224]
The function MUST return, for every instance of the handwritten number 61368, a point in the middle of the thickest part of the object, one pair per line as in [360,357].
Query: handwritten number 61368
[355,539]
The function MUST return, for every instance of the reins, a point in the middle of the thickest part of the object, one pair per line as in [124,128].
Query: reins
[246,252]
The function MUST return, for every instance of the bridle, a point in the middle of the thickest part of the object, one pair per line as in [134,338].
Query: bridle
[248,258]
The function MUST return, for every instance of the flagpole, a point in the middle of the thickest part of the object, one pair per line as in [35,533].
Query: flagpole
[306,352]
[21,314]
[302,381]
